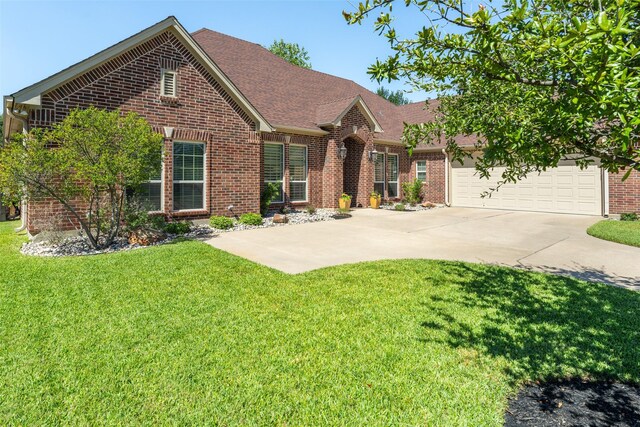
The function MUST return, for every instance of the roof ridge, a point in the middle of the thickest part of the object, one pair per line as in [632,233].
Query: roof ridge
[340,99]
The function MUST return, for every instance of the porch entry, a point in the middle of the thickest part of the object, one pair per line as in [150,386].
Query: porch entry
[385,175]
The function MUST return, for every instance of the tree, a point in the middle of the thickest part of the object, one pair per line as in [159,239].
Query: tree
[396,97]
[89,159]
[291,52]
[537,81]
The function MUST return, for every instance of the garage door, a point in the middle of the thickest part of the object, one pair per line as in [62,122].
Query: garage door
[565,189]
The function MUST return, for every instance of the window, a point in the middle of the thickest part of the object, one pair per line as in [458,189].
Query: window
[421,170]
[188,176]
[150,193]
[378,174]
[274,166]
[168,83]
[392,177]
[298,173]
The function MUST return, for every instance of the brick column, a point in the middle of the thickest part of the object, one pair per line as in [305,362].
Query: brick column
[332,174]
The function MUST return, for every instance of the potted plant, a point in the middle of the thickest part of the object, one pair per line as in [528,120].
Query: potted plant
[344,201]
[374,200]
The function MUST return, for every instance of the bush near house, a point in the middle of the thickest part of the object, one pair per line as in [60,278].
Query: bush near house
[270,192]
[412,191]
[629,217]
[177,227]
[221,222]
[98,156]
[251,219]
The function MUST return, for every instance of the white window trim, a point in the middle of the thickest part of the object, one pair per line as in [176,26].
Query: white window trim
[203,182]
[425,170]
[306,173]
[384,174]
[175,83]
[397,181]
[281,199]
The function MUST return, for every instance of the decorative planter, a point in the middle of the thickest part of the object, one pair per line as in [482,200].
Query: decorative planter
[374,202]
[344,203]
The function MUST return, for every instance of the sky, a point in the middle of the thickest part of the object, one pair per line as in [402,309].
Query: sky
[40,38]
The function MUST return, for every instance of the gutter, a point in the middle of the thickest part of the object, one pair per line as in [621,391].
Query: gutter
[447,201]
[25,128]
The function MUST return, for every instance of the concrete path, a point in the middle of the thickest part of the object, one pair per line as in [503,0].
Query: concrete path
[552,243]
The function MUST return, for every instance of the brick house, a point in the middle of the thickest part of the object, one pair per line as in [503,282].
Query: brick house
[235,116]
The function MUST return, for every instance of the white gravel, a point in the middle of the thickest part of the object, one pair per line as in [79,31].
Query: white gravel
[78,246]
[295,217]
[409,208]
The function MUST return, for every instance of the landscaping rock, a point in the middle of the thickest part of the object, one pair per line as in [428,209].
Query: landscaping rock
[280,219]
[144,237]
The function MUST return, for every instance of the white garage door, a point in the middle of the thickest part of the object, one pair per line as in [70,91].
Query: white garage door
[565,189]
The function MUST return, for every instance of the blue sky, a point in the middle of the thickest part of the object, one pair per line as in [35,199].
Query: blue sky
[40,38]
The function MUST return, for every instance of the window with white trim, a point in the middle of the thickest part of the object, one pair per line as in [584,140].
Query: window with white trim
[298,171]
[421,170]
[392,176]
[150,192]
[378,174]
[168,83]
[274,167]
[188,176]
[148,195]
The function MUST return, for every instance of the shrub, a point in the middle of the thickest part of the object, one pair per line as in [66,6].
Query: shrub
[311,209]
[399,207]
[412,191]
[177,227]
[375,194]
[221,222]
[137,217]
[345,196]
[629,216]
[270,192]
[251,219]
[99,155]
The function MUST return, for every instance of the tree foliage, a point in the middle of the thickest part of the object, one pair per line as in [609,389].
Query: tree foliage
[536,81]
[89,159]
[396,97]
[291,52]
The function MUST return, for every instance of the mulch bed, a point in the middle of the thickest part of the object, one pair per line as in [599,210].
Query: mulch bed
[575,403]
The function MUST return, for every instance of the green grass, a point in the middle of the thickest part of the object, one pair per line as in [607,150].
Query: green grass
[625,232]
[187,334]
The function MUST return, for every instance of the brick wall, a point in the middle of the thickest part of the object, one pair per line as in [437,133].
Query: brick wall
[434,186]
[624,196]
[202,112]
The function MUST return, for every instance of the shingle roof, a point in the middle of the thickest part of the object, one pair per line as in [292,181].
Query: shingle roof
[288,95]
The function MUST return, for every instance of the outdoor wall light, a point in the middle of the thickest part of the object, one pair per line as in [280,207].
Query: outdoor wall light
[372,154]
[342,151]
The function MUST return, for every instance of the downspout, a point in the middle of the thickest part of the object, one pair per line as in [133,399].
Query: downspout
[447,203]
[605,193]
[25,128]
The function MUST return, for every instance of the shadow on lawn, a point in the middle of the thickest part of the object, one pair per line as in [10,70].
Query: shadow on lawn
[591,274]
[545,326]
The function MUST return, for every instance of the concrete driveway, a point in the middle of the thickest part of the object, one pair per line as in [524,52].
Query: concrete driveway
[545,242]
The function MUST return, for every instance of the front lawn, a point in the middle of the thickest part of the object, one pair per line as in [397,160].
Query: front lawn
[187,334]
[625,232]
